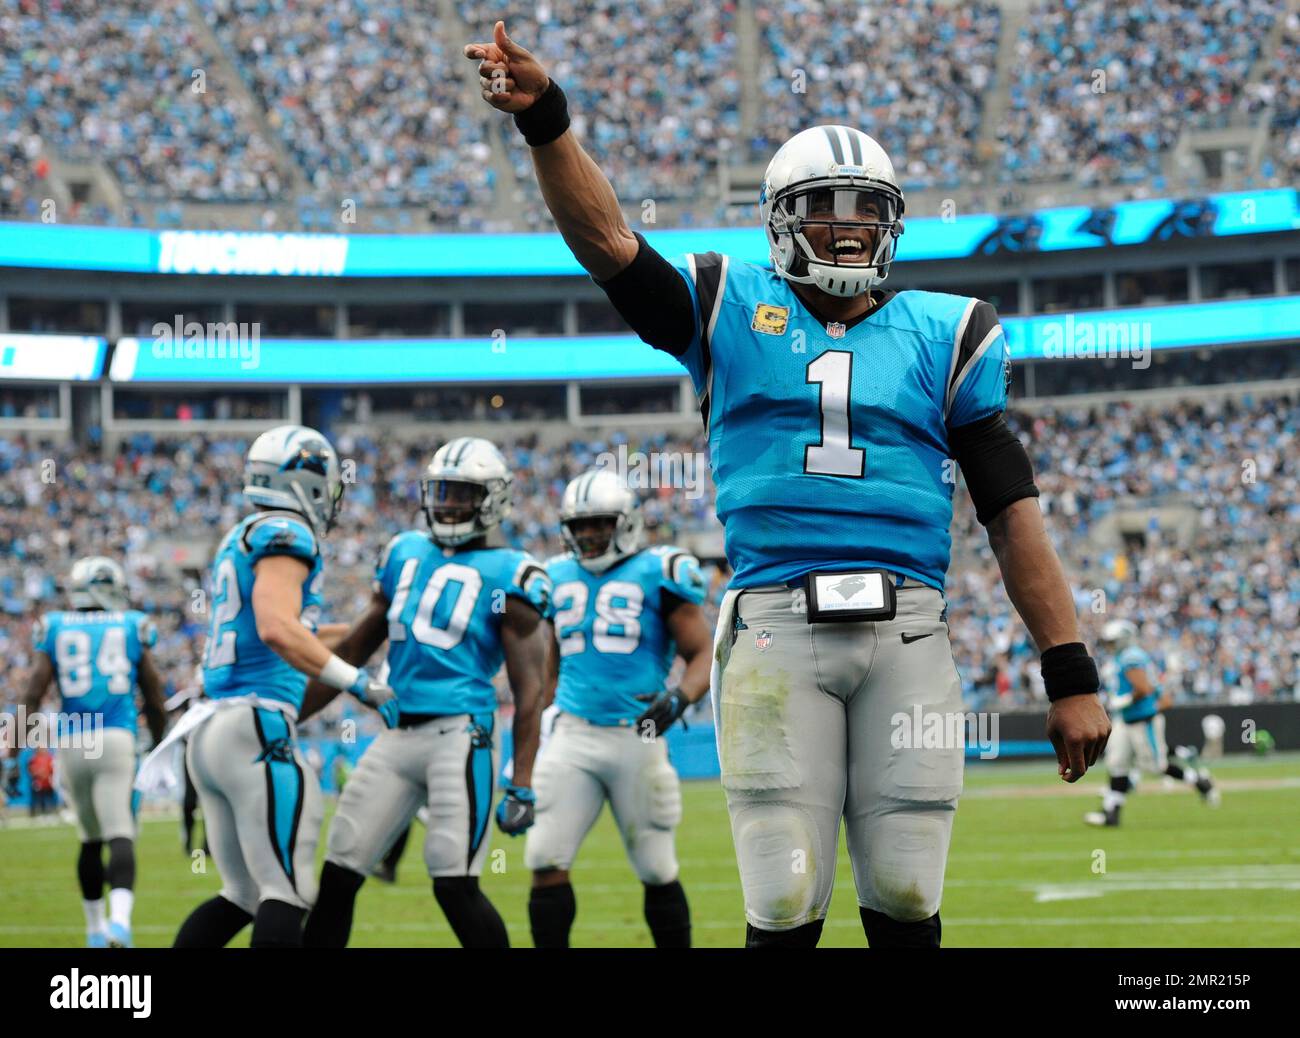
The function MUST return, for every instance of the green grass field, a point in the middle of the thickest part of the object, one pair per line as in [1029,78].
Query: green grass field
[1024,871]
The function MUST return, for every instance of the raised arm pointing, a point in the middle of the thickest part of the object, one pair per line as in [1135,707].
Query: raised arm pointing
[579,196]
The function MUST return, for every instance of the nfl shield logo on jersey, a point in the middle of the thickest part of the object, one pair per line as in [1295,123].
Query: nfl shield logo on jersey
[835,330]
[763,640]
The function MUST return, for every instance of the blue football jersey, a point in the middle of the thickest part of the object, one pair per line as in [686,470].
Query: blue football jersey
[96,657]
[829,444]
[1140,709]
[444,620]
[238,662]
[611,628]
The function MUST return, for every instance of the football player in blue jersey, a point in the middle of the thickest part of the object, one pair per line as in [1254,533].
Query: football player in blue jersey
[97,654]
[452,608]
[623,613]
[1137,743]
[261,801]
[837,415]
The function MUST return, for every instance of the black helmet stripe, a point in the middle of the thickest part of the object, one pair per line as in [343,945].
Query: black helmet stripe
[837,149]
[855,147]
[457,450]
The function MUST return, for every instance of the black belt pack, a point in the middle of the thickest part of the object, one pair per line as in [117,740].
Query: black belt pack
[865,594]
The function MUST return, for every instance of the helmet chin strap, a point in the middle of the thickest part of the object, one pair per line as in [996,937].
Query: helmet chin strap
[452,535]
[844,281]
[308,511]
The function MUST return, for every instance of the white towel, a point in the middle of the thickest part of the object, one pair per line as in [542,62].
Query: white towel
[159,774]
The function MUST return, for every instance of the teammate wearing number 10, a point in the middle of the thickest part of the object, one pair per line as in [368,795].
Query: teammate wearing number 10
[452,609]
[98,652]
[834,414]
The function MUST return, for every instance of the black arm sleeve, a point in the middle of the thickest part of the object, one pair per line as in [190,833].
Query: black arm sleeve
[651,296]
[995,464]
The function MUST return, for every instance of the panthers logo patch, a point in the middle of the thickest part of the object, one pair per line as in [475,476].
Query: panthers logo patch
[849,586]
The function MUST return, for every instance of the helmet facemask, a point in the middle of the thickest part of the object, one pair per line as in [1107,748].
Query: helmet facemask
[837,234]
[600,498]
[461,510]
[599,540]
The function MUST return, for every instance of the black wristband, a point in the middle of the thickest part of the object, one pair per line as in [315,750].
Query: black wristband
[546,118]
[1068,670]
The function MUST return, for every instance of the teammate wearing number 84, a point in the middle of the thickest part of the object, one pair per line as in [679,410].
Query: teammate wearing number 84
[832,410]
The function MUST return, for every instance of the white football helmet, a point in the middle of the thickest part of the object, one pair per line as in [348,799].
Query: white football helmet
[467,462]
[601,494]
[838,177]
[294,468]
[98,583]
[1119,634]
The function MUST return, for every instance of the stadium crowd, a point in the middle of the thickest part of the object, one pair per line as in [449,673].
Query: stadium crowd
[132,84]
[659,118]
[362,95]
[1278,90]
[1217,606]
[1101,90]
[912,75]
[369,100]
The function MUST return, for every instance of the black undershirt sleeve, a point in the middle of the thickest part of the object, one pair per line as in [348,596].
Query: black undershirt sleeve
[995,464]
[654,299]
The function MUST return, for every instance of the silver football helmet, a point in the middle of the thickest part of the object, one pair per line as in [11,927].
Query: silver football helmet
[1119,634]
[601,494]
[294,468]
[465,491]
[836,177]
[98,583]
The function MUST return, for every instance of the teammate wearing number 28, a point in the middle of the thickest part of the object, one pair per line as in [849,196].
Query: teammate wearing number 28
[261,800]
[623,613]
[452,608]
[832,409]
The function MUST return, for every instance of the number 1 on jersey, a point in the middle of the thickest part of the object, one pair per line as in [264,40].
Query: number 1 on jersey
[834,454]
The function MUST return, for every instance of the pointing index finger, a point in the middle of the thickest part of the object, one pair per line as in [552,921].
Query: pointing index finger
[484,51]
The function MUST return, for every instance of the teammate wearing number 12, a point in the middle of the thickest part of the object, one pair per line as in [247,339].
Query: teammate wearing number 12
[833,411]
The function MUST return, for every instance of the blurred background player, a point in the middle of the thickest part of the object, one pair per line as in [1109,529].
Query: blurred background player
[622,615]
[452,609]
[261,802]
[98,653]
[1137,741]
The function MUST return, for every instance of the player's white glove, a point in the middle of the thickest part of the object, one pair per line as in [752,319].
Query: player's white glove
[377,695]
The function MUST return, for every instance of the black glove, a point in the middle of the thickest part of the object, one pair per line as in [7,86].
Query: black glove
[517,810]
[664,710]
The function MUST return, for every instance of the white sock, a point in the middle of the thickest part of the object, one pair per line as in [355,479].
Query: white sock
[1111,799]
[120,902]
[94,915]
